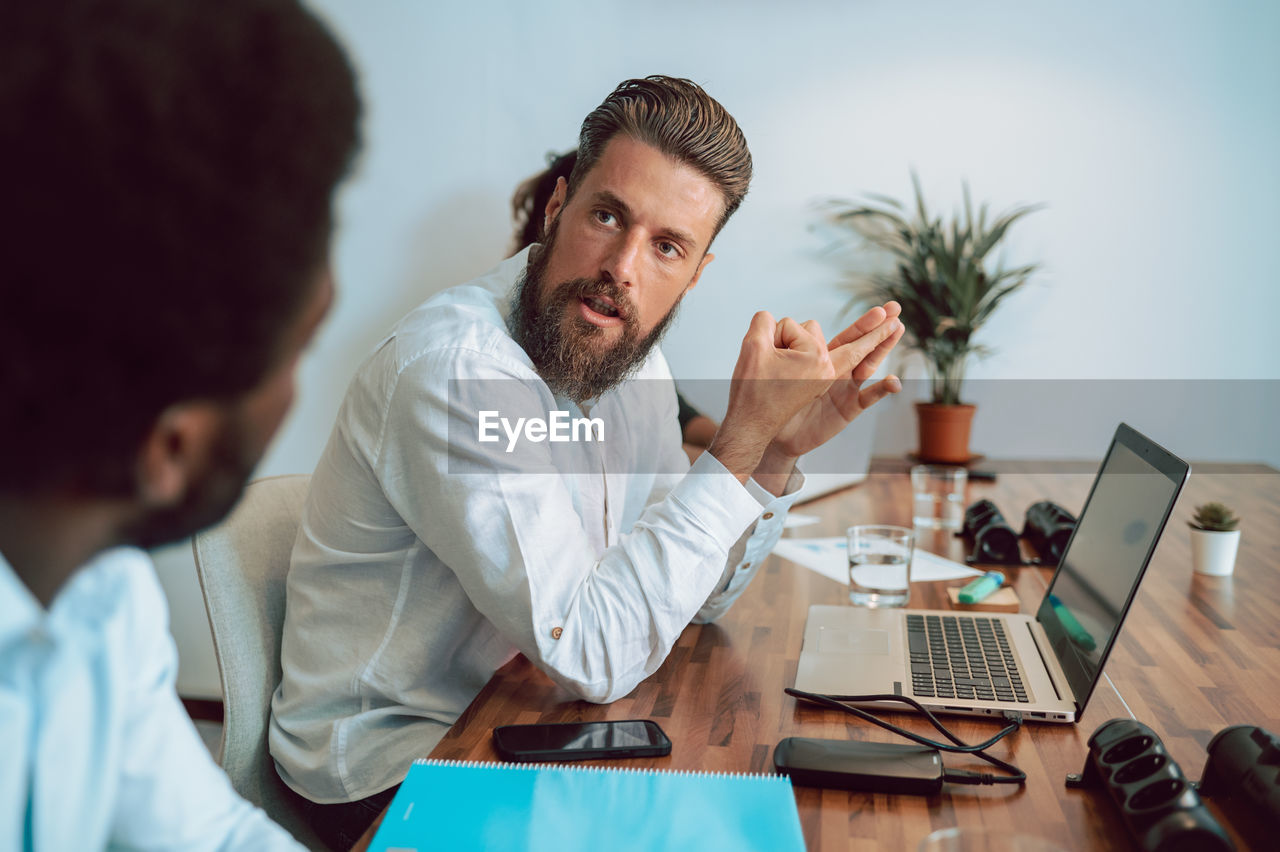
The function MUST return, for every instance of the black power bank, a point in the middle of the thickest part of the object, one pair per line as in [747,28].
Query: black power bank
[854,765]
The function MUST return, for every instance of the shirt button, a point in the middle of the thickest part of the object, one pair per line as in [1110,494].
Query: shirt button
[556,631]
[768,515]
[746,565]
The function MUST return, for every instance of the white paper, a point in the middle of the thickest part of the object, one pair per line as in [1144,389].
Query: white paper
[830,558]
[793,520]
[929,567]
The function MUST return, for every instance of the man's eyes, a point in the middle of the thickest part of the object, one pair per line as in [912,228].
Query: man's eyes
[666,248]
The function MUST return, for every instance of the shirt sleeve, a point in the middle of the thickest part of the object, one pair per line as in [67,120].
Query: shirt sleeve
[752,548]
[504,521]
[172,795]
[754,545]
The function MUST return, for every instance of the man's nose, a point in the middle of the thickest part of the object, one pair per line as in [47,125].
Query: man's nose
[621,264]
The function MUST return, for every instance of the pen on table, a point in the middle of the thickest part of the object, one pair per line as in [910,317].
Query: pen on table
[981,587]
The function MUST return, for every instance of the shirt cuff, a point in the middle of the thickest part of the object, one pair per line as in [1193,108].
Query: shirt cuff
[753,547]
[794,483]
[774,509]
[717,501]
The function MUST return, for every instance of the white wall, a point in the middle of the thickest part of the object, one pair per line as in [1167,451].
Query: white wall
[1151,130]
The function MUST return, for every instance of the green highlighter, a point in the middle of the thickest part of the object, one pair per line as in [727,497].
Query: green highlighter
[981,587]
[1072,625]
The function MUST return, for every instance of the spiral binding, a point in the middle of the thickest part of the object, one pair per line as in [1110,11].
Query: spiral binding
[625,770]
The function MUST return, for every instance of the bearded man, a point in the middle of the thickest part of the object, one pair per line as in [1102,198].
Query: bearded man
[431,552]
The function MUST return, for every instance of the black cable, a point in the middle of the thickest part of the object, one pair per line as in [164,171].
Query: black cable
[958,746]
[962,776]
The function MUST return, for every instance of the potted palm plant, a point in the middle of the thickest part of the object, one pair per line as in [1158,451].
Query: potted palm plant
[1215,538]
[943,279]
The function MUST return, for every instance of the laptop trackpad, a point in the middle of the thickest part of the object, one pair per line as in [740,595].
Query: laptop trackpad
[857,640]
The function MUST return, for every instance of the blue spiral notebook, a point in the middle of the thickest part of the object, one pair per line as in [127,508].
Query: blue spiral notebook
[453,805]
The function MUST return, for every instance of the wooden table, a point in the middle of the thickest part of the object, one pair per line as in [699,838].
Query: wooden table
[1195,655]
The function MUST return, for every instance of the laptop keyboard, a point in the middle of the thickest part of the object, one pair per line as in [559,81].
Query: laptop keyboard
[963,656]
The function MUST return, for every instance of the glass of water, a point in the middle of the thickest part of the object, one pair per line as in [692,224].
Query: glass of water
[938,496]
[880,565]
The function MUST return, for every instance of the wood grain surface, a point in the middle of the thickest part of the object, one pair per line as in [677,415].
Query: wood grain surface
[1196,654]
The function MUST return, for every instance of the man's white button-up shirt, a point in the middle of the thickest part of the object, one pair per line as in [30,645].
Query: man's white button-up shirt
[426,558]
[95,749]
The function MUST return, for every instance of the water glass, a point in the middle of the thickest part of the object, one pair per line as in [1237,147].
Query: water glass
[938,501]
[880,565]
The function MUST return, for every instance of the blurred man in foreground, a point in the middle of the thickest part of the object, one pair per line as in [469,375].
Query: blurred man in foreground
[167,212]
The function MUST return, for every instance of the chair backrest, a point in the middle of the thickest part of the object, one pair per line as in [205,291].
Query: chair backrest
[242,564]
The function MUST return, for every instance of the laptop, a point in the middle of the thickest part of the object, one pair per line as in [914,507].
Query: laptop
[840,463]
[1044,666]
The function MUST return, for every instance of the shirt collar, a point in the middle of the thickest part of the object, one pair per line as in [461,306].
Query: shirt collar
[90,596]
[19,609]
[508,276]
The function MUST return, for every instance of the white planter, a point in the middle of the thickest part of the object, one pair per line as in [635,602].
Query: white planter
[1213,552]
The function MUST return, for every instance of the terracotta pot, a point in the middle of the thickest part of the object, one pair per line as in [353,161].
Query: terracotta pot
[944,432]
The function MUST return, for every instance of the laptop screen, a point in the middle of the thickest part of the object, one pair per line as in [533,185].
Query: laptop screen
[1103,562]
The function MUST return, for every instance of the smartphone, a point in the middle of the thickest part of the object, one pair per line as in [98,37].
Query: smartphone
[580,741]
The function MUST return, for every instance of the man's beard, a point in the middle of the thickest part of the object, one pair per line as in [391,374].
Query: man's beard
[208,499]
[567,351]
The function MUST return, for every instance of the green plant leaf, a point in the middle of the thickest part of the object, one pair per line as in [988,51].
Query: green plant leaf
[884,199]
[940,274]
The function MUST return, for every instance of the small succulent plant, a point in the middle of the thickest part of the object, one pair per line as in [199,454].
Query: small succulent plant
[1215,517]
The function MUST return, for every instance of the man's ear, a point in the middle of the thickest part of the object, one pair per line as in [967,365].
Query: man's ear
[176,451]
[706,258]
[555,203]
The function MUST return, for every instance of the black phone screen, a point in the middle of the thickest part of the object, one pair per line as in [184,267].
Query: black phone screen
[581,740]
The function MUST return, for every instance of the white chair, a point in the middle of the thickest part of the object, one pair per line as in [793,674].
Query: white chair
[242,564]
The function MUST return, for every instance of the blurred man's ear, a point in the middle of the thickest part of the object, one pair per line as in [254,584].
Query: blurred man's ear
[706,258]
[176,451]
[555,203]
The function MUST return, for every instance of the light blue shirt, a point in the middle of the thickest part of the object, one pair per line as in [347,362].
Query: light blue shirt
[96,750]
[425,560]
